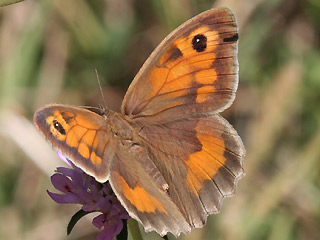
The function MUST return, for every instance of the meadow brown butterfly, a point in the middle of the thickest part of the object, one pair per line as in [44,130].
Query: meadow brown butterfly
[169,156]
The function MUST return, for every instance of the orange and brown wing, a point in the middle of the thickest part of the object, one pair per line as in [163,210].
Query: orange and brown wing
[194,70]
[81,135]
[201,159]
[142,190]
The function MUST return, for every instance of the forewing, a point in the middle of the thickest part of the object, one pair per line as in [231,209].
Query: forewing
[141,189]
[201,160]
[81,135]
[194,70]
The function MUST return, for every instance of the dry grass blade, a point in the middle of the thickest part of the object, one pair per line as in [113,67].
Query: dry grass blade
[25,135]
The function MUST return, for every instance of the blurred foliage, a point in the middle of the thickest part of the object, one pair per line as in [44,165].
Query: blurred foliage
[48,52]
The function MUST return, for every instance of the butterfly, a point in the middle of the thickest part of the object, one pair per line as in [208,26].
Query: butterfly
[169,156]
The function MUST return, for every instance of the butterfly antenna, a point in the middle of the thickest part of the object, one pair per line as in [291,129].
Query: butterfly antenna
[103,99]
[89,107]
[99,110]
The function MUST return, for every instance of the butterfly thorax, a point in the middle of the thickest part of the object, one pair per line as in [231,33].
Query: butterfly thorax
[122,128]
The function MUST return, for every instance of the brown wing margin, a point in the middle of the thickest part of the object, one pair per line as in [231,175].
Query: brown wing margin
[201,159]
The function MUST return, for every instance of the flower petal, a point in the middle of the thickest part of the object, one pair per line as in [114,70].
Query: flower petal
[62,183]
[65,198]
[104,204]
[98,221]
[112,228]
[74,174]
[63,158]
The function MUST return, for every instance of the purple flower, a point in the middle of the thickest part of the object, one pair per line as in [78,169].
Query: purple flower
[78,187]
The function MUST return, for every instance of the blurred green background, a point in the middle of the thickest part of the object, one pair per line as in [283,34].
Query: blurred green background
[48,52]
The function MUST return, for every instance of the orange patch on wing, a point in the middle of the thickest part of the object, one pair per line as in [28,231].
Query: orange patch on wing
[206,77]
[158,78]
[84,150]
[190,65]
[210,141]
[204,164]
[96,160]
[180,75]
[200,65]
[180,70]
[204,60]
[50,119]
[74,136]
[180,61]
[140,198]
[203,93]
[181,83]
[88,138]
[85,122]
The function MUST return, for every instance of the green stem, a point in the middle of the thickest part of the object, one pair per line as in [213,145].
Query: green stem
[134,229]
[8,2]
